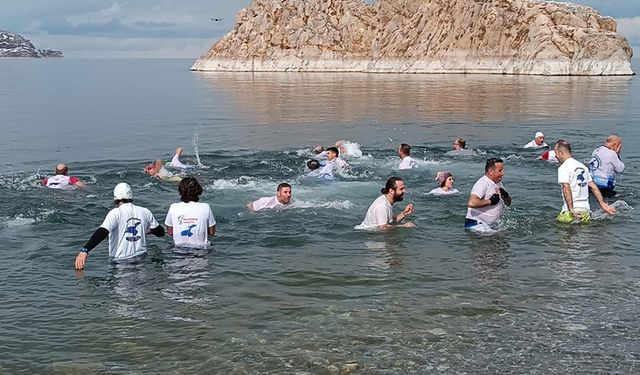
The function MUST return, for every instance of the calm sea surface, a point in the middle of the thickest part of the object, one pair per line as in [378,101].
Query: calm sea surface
[299,290]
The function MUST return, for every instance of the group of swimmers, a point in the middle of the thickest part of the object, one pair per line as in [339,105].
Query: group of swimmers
[190,222]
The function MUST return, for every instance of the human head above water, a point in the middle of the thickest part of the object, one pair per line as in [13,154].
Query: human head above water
[189,190]
[332,153]
[396,186]
[62,169]
[313,164]
[443,177]
[404,150]
[283,193]
[494,169]
[539,138]
[459,144]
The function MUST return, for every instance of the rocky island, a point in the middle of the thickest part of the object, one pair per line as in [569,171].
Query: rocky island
[14,45]
[421,36]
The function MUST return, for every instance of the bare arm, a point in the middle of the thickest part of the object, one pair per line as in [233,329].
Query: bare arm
[250,207]
[476,202]
[596,193]
[80,184]
[169,231]
[566,193]
[211,230]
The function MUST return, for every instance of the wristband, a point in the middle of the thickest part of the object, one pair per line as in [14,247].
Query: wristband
[84,250]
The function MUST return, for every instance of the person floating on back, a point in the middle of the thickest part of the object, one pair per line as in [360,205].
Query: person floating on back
[380,213]
[538,141]
[406,161]
[61,179]
[126,226]
[281,199]
[575,180]
[189,221]
[605,164]
[484,206]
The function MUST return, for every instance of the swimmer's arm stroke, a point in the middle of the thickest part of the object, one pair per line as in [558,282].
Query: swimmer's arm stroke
[596,193]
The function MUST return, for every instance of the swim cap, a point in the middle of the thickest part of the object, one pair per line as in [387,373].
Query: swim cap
[539,134]
[122,191]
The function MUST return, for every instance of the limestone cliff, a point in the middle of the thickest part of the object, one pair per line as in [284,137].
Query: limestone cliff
[14,45]
[421,36]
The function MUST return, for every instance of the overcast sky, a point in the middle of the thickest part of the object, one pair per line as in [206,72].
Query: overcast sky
[172,28]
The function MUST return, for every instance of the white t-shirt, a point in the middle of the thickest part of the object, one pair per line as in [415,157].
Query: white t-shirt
[439,191]
[578,177]
[267,202]
[379,213]
[60,181]
[604,165]
[190,222]
[339,162]
[484,188]
[549,156]
[127,226]
[533,144]
[407,163]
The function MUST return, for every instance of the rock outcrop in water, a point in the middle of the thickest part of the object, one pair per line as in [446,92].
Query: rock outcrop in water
[421,36]
[14,45]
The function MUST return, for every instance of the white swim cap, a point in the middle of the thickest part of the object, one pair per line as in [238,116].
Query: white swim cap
[539,134]
[122,191]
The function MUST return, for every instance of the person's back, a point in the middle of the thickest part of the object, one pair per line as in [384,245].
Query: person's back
[127,225]
[61,180]
[605,164]
[189,221]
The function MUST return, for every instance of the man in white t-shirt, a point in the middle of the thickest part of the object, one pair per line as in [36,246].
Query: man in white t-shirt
[190,222]
[538,141]
[575,179]
[333,156]
[281,199]
[406,161]
[380,214]
[126,226]
[61,179]
[484,206]
[605,164]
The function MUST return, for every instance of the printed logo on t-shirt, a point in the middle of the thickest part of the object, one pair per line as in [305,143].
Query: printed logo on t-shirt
[192,222]
[595,163]
[132,231]
[582,182]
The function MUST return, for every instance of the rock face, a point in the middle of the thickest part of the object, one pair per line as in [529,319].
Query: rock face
[421,36]
[13,45]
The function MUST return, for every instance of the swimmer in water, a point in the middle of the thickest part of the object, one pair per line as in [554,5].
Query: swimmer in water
[445,180]
[175,161]
[158,171]
[380,213]
[281,199]
[61,179]
[406,161]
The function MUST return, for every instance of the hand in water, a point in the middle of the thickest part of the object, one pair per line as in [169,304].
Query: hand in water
[81,260]
[608,209]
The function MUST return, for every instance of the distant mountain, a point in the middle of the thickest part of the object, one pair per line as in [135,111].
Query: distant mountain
[14,45]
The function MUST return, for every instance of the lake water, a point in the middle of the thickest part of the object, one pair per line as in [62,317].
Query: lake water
[299,290]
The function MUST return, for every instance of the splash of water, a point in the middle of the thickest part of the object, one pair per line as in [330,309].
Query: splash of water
[196,148]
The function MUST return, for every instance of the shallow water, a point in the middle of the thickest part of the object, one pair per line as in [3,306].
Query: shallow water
[299,290]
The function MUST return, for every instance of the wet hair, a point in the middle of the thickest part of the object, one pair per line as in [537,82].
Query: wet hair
[405,149]
[391,184]
[442,178]
[317,149]
[491,163]
[118,201]
[283,185]
[64,170]
[563,145]
[313,164]
[460,142]
[189,190]
[334,149]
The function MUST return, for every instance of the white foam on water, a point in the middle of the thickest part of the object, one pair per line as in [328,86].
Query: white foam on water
[242,183]
[16,222]
[352,149]
[337,204]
